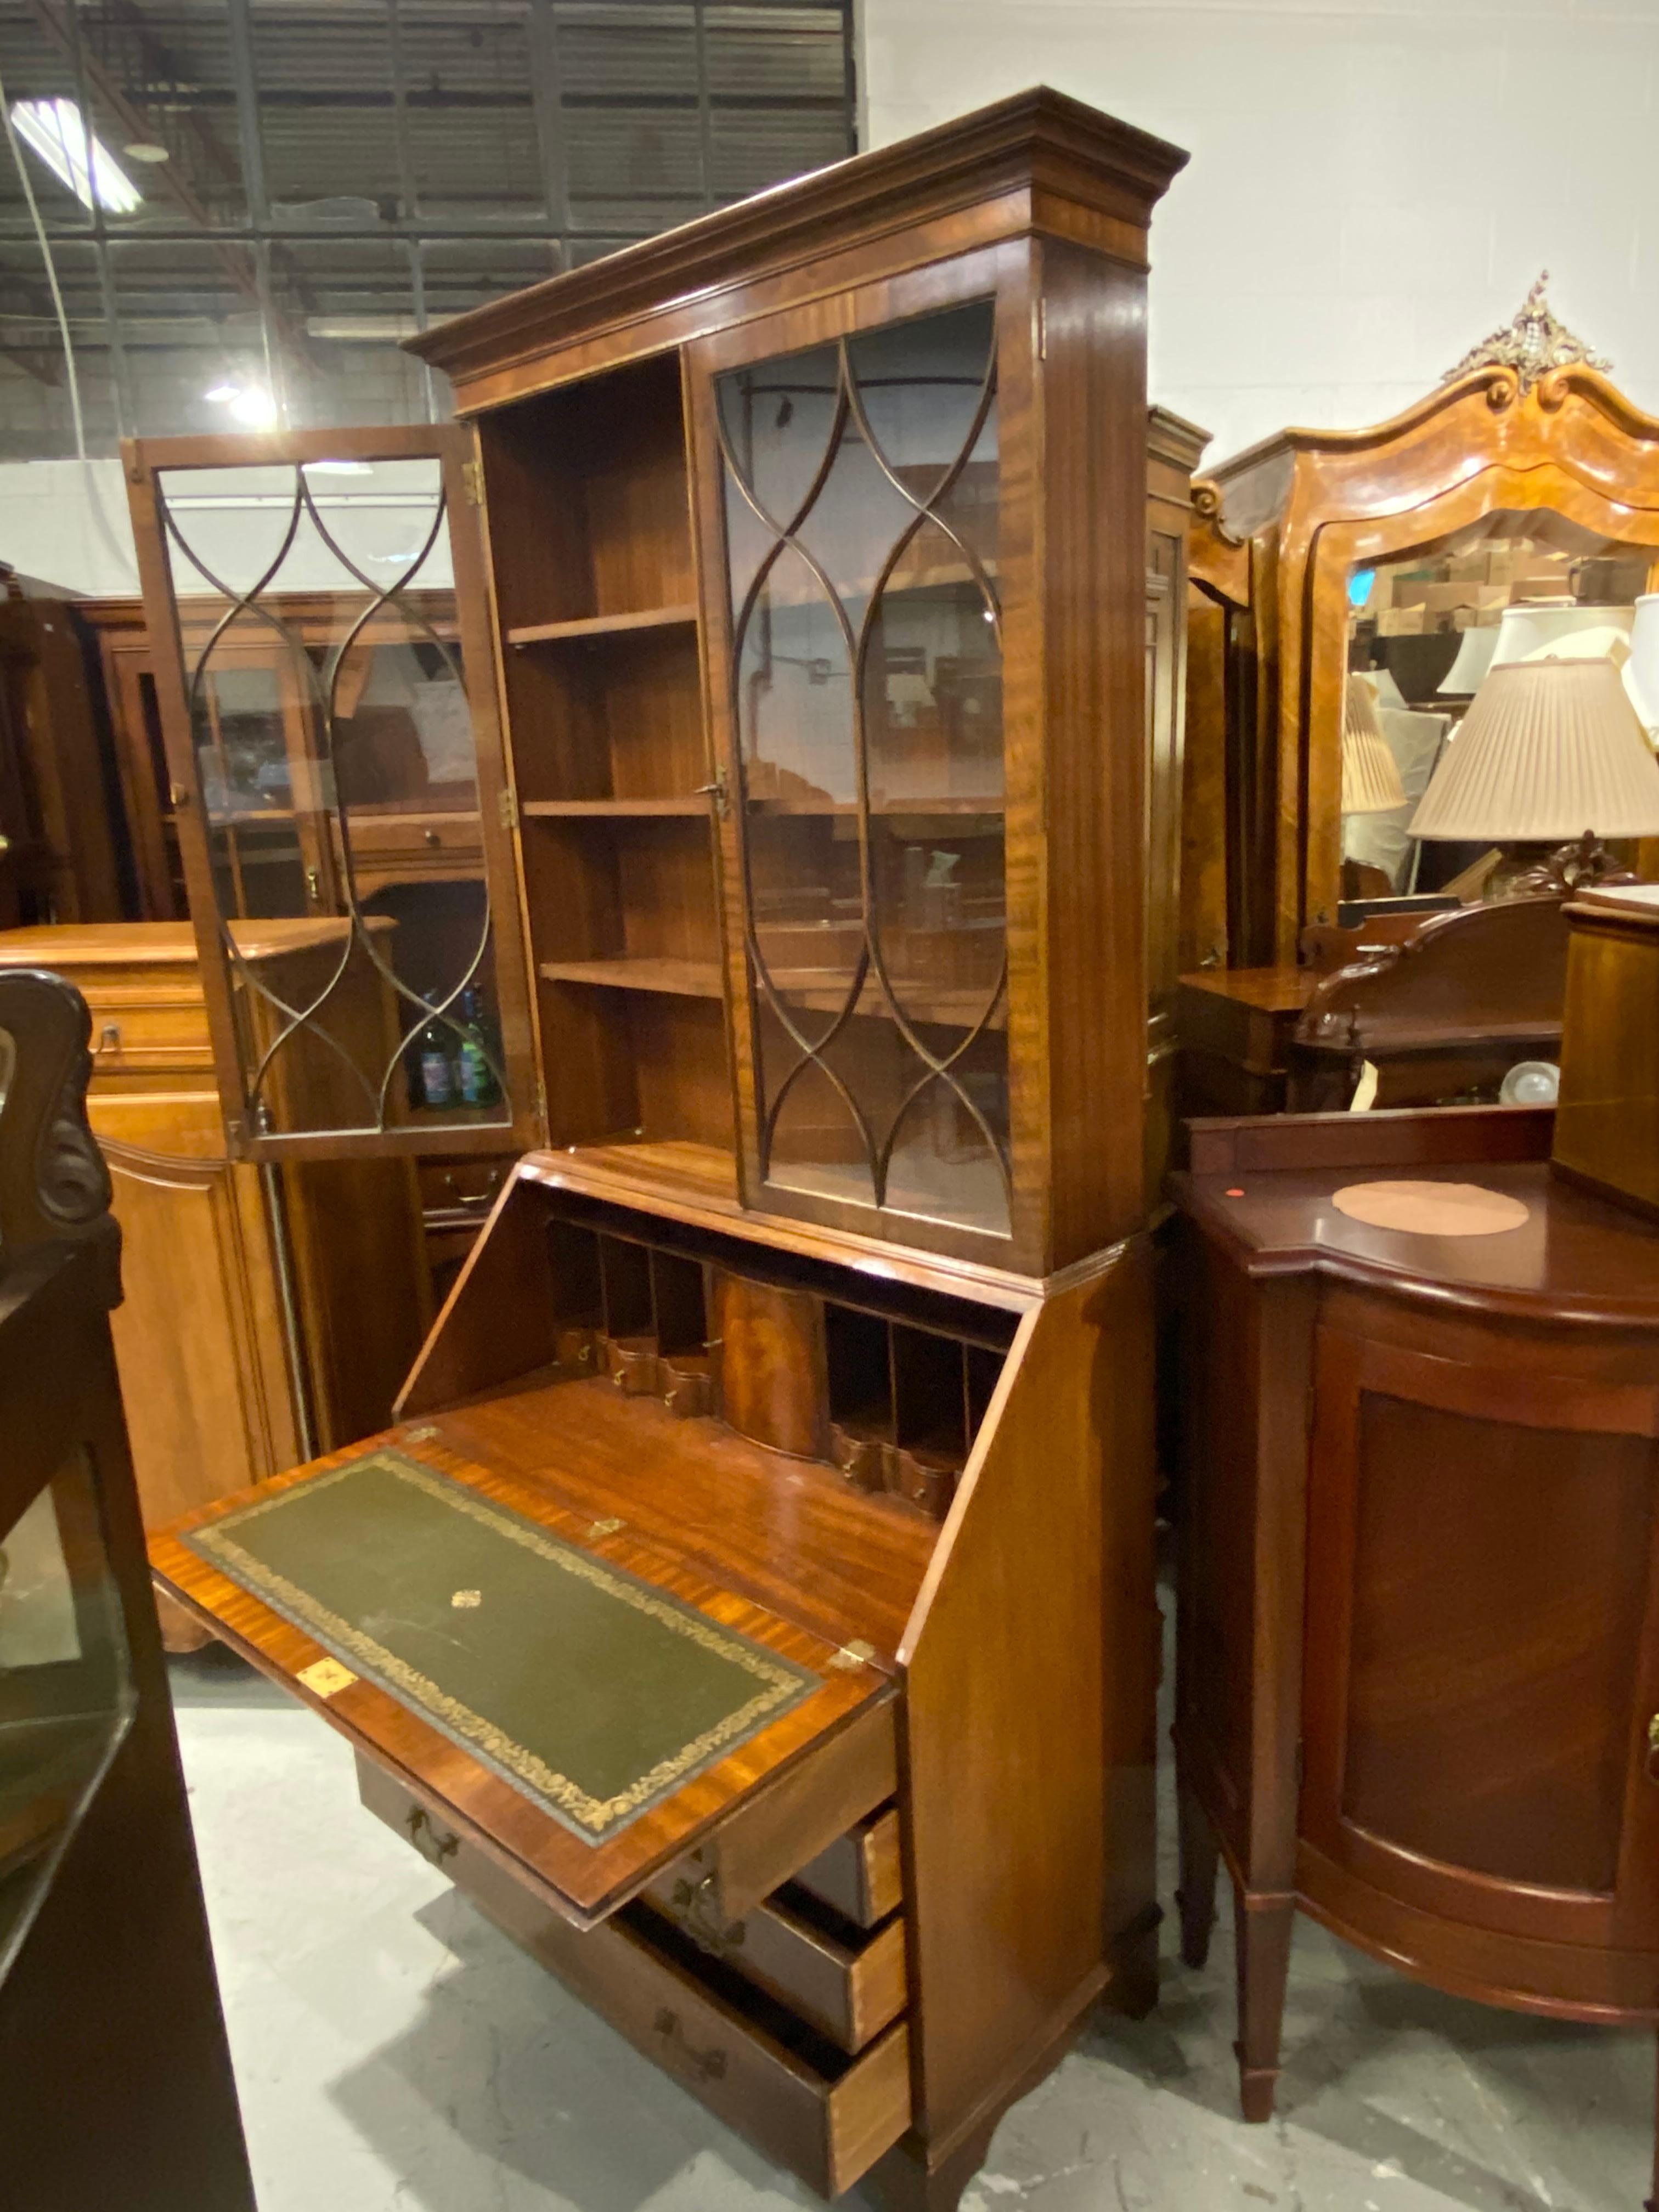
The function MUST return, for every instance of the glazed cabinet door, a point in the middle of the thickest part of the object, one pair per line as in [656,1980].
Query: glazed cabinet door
[863,487]
[327,688]
[1482,1649]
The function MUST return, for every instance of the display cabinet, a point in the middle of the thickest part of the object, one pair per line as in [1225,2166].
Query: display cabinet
[770,1516]
[1526,475]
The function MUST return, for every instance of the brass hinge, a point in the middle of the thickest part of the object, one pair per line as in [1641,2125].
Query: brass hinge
[541,1102]
[472,480]
[509,809]
[717,791]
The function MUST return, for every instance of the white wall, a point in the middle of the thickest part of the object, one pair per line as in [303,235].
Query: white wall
[67,523]
[1372,186]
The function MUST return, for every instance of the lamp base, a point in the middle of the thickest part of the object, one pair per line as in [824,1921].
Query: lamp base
[1543,871]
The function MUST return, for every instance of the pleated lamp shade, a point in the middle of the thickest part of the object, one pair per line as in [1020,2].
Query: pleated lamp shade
[1371,780]
[1548,749]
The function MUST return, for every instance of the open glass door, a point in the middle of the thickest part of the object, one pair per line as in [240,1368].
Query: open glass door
[328,698]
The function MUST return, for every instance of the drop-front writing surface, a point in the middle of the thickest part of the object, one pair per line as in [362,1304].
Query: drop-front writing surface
[861,499]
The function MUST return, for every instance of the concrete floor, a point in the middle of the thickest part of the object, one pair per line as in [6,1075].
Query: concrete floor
[395,2054]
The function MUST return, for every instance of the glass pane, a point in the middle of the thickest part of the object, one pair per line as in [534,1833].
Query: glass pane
[861,508]
[336,767]
[66,1695]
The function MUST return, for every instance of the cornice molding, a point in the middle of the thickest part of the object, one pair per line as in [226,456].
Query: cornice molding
[1040,141]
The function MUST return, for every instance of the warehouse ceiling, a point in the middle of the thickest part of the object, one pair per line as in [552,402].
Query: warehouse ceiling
[315,179]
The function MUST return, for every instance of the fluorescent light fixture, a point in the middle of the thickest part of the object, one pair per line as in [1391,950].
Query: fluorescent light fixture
[249,403]
[54,129]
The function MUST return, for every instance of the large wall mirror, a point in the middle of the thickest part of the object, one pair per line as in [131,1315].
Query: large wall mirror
[1394,555]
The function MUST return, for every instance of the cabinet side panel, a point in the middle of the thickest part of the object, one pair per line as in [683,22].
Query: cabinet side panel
[1094,542]
[1032,1661]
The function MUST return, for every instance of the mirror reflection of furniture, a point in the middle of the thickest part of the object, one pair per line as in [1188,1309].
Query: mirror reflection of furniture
[1488,994]
[1416,1668]
[115,2080]
[1528,474]
[1441,1015]
[1549,752]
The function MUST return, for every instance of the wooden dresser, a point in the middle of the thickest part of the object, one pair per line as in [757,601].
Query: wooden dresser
[266,1313]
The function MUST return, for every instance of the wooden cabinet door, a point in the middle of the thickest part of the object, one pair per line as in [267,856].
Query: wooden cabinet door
[1482,1650]
[324,663]
[199,1335]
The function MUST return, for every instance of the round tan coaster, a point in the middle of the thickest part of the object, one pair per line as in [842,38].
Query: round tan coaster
[1431,1209]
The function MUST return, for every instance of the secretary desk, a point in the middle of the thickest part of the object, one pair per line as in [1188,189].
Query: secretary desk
[752,1608]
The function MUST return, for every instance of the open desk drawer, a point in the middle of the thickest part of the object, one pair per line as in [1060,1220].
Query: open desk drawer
[569,1697]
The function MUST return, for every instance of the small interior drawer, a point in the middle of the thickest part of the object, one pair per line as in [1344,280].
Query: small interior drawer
[860,1875]
[847,1982]
[824,2116]
[381,836]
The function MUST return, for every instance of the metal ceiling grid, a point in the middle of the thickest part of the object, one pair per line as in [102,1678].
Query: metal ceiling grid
[341,172]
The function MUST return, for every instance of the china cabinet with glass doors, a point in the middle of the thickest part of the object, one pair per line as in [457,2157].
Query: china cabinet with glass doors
[811,1330]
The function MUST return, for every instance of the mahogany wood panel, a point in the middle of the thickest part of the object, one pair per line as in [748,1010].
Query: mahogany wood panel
[584,1881]
[1606,1130]
[1031,1763]
[1477,1590]
[773,1387]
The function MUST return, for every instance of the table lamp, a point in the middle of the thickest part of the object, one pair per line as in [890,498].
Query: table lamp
[1550,755]
[1371,779]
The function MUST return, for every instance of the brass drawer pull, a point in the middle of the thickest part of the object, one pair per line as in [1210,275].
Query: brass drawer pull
[695,1907]
[444,1843]
[710,2065]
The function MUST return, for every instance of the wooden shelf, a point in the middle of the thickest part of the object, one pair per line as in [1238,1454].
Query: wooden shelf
[682,979]
[808,988]
[690,804]
[591,626]
[836,809]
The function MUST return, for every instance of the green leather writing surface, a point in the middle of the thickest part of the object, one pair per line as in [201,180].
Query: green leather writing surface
[593,1693]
